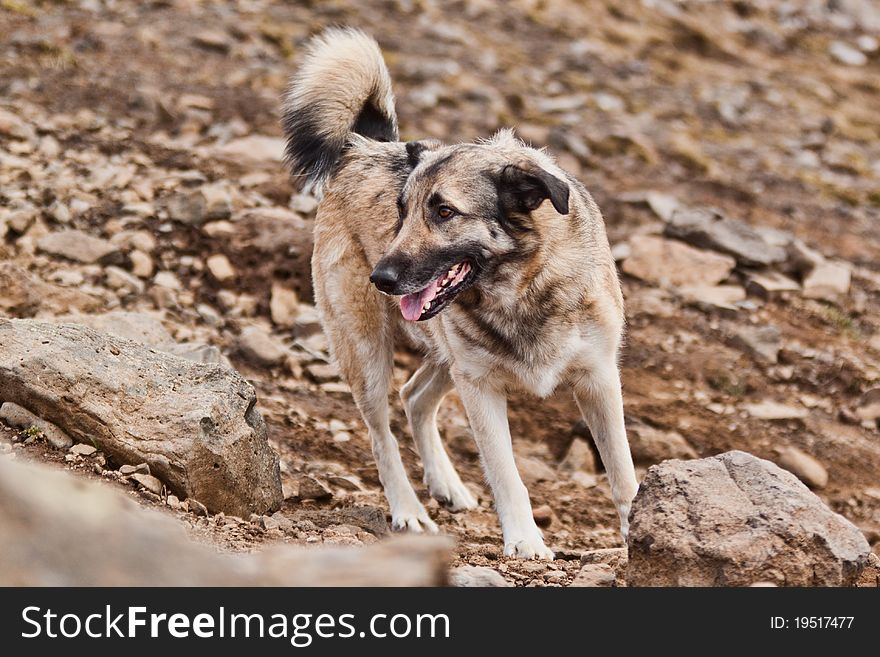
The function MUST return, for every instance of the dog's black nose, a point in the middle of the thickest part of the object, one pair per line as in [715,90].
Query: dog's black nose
[386,276]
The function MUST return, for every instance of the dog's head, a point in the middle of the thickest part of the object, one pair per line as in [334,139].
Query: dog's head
[463,210]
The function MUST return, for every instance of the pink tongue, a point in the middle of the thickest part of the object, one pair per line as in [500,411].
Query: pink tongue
[411,304]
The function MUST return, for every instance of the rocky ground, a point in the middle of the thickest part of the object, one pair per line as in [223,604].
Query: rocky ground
[734,148]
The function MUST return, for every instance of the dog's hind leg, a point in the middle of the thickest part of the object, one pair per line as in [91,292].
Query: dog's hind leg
[599,398]
[487,413]
[421,398]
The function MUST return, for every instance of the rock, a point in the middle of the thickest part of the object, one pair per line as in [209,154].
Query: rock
[768,285]
[21,418]
[61,530]
[80,247]
[868,409]
[131,469]
[218,203]
[468,576]
[307,322]
[846,54]
[762,342]
[578,457]
[649,445]
[709,229]
[120,280]
[196,507]
[196,425]
[662,205]
[141,264]
[828,281]
[803,466]
[187,207]
[220,267]
[148,481]
[672,264]
[323,372]
[82,449]
[303,203]
[312,489]
[260,348]
[734,520]
[12,126]
[543,515]
[774,411]
[713,297]
[610,556]
[283,306]
[533,470]
[213,40]
[254,147]
[594,574]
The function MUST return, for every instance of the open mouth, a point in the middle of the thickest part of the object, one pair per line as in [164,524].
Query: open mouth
[430,300]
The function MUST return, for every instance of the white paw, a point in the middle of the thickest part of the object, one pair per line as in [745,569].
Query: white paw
[413,520]
[451,492]
[533,548]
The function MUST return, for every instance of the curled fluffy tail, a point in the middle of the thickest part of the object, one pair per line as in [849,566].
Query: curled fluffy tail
[342,87]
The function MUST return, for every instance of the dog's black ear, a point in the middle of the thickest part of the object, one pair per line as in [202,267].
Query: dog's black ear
[414,149]
[525,186]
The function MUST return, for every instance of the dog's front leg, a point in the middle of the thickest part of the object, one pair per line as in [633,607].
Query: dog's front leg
[599,398]
[486,409]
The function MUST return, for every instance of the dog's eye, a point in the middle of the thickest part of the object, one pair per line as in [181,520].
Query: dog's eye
[445,212]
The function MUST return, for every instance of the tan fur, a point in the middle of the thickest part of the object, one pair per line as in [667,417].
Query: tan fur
[545,308]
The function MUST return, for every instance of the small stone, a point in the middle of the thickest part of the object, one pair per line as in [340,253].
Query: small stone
[713,297]
[555,577]
[218,203]
[149,482]
[307,322]
[585,479]
[174,502]
[187,207]
[120,280]
[268,523]
[533,470]
[132,469]
[846,54]
[651,445]
[303,203]
[803,466]
[323,372]
[543,515]
[768,285]
[196,507]
[868,409]
[828,281]
[166,279]
[83,450]
[213,40]
[254,147]
[578,457]
[141,264]
[345,482]
[80,247]
[312,489]
[283,306]
[220,267]
[260,347]
[763,342]
[774,411]
[480,576]
[594,574]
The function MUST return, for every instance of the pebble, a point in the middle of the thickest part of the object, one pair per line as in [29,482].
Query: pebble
[149,482]
[323,372]
[846,54]
[763,342]
[79,246]
[21,418]
[132,469]
[82,449]
[283,306]
[804,466]
[220,267]
[141,264]
[543,515]
[771,410]
[196,507]
[829,281]
[668,263]
[312,489]
[260,348]
[594,574]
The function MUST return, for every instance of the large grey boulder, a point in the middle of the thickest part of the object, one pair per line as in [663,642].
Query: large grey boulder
[59,529]
[735,520]
[195,424]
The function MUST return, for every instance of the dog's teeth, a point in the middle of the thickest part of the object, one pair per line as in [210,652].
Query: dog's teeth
[428,306]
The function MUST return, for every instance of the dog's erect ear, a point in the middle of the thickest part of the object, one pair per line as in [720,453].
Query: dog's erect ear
[414,149]
[525,186]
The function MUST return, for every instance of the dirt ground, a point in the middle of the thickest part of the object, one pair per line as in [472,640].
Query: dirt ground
[735,105]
